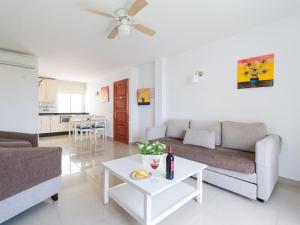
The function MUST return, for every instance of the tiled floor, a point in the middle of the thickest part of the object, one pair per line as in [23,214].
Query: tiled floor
[80,199]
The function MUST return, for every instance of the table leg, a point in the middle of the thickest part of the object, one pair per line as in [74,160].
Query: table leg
[147,209]
[106,186]
[199,187]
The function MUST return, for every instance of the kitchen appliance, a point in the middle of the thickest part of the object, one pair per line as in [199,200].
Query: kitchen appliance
[65,119]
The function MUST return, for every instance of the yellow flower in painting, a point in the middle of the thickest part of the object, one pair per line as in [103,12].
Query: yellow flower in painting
[256,69]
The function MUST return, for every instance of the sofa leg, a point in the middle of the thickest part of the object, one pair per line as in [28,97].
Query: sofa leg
[260,200]
[55,197]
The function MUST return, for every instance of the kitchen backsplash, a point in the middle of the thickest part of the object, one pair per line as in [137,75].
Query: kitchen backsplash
[47,107]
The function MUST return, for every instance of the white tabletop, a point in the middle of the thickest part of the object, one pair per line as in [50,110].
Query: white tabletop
[123,167]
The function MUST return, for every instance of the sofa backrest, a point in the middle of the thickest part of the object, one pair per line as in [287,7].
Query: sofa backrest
[206,125]
[242,136]
[176,128]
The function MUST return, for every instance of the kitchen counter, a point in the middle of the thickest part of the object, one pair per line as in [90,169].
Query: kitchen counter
[55,123]
[62,114]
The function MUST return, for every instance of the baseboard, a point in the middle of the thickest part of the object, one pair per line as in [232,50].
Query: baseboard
[284,180]
[53,134]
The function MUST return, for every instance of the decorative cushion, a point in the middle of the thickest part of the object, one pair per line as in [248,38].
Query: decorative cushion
[176,128]
[206,125]
[242,136]
[203,138]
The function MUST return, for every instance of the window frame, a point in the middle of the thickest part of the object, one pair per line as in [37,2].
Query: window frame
[70,102]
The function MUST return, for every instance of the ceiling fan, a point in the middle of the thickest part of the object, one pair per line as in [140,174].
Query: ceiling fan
[124,18]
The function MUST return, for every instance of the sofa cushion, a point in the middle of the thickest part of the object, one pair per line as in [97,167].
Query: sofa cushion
[7,139]
[242,136]
[205,125]
[7,142]
[223,158]
[203,138]
[176,128]
[32,138]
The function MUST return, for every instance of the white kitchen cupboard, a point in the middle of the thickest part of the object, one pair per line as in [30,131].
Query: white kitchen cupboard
[42,90]
[51,90]
[51,124]
[55,122]
[44,124]
[63,127]
[47,90]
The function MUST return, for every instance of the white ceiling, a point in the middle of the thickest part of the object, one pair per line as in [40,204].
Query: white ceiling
[72,44]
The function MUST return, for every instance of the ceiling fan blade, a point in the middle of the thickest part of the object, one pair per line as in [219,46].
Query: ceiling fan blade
[113,33]
[99,13]
[144,29]
[137,6]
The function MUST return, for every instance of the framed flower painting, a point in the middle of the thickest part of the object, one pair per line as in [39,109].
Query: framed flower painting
[256,72]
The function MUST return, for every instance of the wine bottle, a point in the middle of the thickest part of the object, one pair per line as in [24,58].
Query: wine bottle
[170,164]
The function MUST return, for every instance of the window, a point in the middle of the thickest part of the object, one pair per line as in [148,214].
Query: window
[70,103]
[63,103]
[76,103]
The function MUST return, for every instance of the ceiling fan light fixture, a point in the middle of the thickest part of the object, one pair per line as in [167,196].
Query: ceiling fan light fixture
[124,20]
[124,29]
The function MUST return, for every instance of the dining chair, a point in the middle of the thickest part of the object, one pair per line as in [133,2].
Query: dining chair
[84,126]
[73,122]
[99,125]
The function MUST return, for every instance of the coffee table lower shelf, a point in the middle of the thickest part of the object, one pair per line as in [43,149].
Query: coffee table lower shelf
[162,204]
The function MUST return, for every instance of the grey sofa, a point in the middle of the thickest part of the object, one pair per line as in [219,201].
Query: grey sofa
[28,174]
[245,159]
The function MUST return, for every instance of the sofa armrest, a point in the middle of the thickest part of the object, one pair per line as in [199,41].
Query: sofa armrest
[267,165]
[32,138]
[23,168]
[155,132]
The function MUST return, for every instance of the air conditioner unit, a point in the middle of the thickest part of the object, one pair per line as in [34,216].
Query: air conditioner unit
[10,58]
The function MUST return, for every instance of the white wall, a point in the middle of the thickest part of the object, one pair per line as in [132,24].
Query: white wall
[146,112]
[160,76]
[216,96]
[140,117]
[18,93]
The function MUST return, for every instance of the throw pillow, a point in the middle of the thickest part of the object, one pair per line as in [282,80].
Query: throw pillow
[203,138]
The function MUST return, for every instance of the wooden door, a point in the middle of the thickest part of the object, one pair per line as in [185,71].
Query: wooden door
[121,123]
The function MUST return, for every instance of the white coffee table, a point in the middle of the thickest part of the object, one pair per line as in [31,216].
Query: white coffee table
[151,200]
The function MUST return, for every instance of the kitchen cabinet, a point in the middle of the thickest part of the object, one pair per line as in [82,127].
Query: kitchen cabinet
[47,90]
[55,121]
[45,124]
[51,90]
[42,90]
[63,127]
[52,124]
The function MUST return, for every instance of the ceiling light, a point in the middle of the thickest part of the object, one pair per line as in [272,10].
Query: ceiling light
[125,26]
